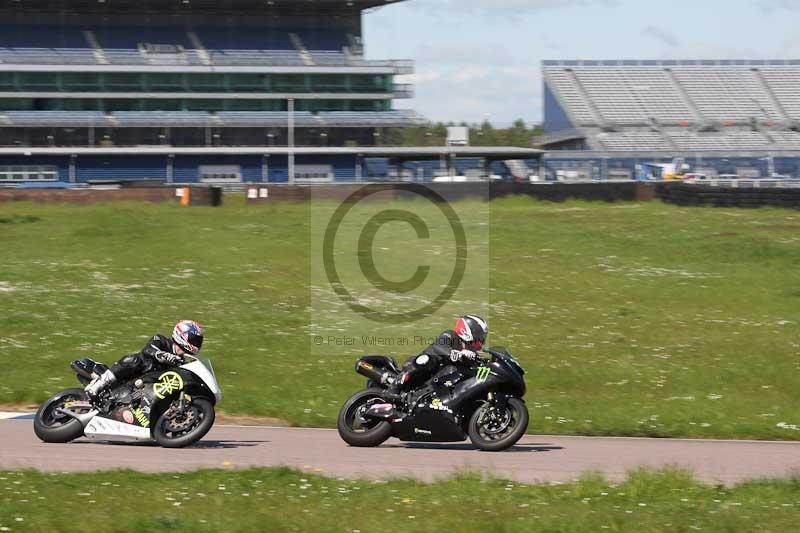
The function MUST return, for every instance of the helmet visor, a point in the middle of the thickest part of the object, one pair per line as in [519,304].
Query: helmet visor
[196,341]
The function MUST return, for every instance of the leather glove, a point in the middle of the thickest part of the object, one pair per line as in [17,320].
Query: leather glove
[463,355]
[168,358]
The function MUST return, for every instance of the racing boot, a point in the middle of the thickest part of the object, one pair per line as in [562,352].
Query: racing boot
[99,384]
[397,388]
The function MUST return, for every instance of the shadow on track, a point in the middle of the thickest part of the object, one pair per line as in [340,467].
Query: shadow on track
[458,446]
[226,444]
[202,445]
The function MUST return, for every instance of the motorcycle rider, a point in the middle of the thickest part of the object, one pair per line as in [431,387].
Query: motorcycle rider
[457,346]
[159,352]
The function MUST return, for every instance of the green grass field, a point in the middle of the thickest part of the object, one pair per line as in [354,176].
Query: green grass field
[631,318]
[285,500]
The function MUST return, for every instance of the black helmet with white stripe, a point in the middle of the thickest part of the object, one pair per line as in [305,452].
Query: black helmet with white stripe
[473,330]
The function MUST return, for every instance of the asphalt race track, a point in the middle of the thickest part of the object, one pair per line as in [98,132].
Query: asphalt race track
[534,459]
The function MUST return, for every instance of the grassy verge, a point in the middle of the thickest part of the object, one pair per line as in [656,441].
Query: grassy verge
[632,319]
[285,500]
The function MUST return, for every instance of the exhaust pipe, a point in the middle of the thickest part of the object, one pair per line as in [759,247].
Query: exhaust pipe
[378,375]
[84,418]
[80,370]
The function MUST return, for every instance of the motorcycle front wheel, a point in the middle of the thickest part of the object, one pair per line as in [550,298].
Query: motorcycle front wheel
[493,428]
[358,431]
[178,428]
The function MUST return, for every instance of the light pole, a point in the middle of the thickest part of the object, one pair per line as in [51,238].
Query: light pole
[291,141]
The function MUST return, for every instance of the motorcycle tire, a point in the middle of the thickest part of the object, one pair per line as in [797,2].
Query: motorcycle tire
[372,436]
[507,441]
[161,436]
[43,422]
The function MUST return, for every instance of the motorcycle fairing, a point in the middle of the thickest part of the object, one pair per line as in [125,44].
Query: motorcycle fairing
[429,425]
[101,427]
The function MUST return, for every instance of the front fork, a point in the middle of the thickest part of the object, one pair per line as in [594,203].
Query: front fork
[498,400]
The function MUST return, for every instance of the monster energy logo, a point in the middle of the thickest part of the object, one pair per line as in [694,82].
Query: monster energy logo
[483,374]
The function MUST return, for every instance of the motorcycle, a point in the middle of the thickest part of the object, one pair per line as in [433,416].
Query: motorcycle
[175,408]
[482,402]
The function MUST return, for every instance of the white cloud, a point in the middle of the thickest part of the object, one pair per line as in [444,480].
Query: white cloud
[444,53]
[473,93]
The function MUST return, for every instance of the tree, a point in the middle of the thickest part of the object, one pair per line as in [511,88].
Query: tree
[484,134]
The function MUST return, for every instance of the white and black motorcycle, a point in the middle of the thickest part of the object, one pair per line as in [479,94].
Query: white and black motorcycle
[175,408]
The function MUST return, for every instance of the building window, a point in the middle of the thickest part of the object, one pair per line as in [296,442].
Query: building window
[28,173]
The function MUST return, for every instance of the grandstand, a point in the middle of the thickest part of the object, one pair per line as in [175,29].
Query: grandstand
[230,73]
[722,115]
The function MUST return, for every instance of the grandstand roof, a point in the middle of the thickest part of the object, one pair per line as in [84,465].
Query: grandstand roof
[184,5]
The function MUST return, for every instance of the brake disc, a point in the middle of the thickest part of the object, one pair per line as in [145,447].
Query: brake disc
[497,423]
[181,421]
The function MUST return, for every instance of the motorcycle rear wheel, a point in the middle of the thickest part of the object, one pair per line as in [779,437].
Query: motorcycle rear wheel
[481,434]
[354,429]
[52,427]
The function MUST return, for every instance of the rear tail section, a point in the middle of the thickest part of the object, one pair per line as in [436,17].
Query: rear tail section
[372,371]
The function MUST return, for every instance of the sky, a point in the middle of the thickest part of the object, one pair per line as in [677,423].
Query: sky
[481,59]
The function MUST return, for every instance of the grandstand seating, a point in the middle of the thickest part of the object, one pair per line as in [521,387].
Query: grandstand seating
[384,119]
[682,139]
[48,45]
[599,93]
[633,141]
[676,105]
[267,119]
[57,118]
[162,118]
[787,140]
[734,140]
[47,56]
[727,94]
[79,74]
[785,85]
[230,119]
[566,87]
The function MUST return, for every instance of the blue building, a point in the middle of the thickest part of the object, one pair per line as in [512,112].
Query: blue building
[200,91]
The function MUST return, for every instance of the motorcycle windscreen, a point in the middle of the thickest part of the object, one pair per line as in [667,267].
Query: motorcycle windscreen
[204,371]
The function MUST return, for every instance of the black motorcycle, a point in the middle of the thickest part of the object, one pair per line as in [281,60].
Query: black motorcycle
[481,401]
[173,407]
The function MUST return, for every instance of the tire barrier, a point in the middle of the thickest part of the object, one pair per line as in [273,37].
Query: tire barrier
[746,197]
